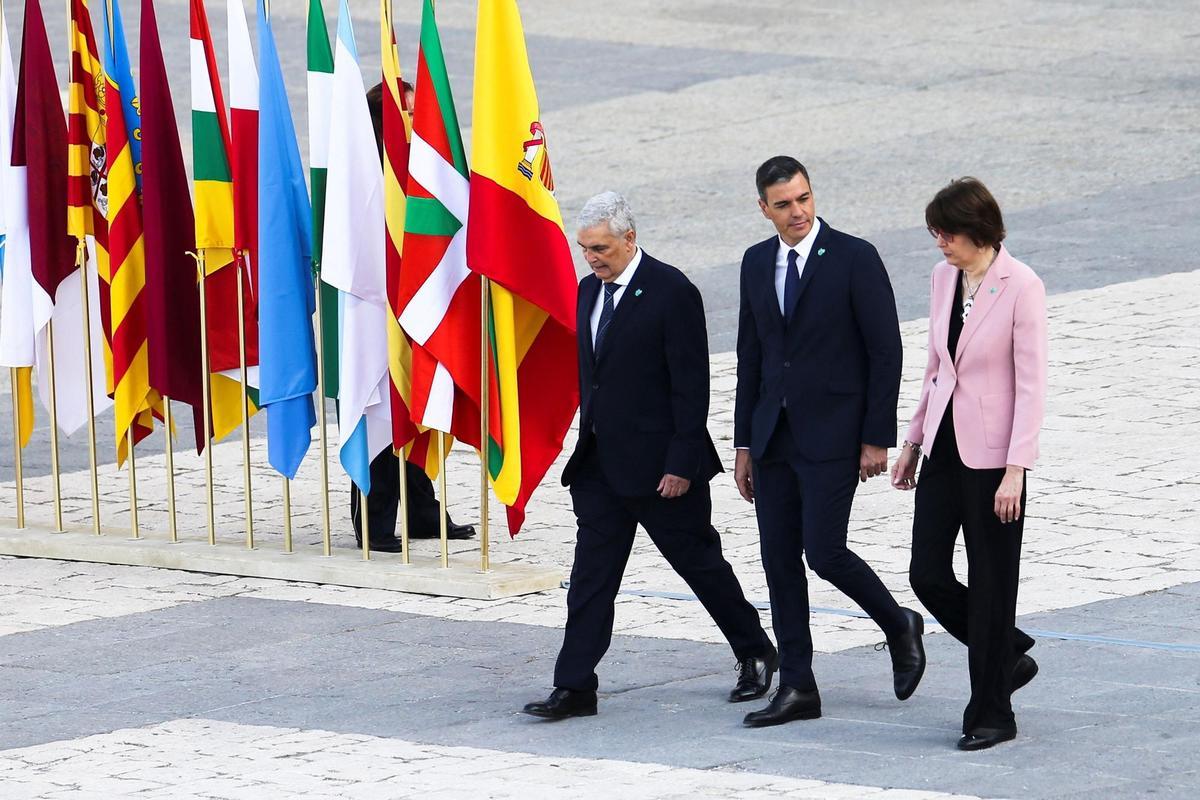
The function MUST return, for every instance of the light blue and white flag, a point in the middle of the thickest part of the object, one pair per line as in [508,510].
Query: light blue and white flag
[353,261]
[287,354]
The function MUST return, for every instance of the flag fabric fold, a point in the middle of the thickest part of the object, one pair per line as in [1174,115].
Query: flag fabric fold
[407,435]
[135,403]
[353,261]
[438,296]
[320,95]
[288,367]
[17,334]
[40,145]
[215,190]
[516,239]
[173,301]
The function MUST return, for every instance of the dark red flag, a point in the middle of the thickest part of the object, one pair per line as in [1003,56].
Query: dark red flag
[173,310]
[40,144]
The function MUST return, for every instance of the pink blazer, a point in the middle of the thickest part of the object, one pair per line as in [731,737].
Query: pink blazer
[998,375]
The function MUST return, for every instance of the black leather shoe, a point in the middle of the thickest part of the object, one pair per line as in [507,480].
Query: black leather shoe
[388,545]
[786,705]
[563,703]
[983,738]
[754,676]
[453,531]
[1023,671]
[459,531]
[908,655]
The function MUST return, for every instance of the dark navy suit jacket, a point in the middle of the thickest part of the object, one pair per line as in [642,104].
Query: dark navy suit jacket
[836,362]
[644,396]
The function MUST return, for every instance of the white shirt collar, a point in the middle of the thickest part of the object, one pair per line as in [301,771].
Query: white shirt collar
[803,247]
[627,274]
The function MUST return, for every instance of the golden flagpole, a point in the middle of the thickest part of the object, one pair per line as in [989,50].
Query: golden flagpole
[134,530]
[56,479]
[364,525]
[169,424]
[241,318]
[13,380]
[444,528]
[323,436]
[287,515]
[484,382]
[81,262]
[205,393]
[404,555]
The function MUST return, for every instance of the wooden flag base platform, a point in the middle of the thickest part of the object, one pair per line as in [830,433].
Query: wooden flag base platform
[344,568]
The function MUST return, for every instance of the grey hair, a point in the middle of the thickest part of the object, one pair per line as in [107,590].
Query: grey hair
[610,207]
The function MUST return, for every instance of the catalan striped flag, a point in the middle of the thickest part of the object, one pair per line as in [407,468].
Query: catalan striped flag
[438,296]
[407,436]
[135,403]
[516,239]
[215,189]
[87,167]
[17,339]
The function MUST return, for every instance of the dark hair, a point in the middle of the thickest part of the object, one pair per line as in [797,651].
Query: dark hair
[375,106]
[966,206]
[777,169]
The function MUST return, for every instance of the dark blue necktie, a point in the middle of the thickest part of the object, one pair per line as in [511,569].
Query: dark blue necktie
[791,285]
[606,314]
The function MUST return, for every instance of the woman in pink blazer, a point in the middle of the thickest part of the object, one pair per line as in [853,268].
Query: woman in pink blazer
[981,408]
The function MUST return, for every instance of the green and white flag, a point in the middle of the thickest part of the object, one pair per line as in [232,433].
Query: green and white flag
[320,99]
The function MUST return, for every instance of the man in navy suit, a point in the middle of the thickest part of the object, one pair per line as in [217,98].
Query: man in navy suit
[818,376]
[644,457]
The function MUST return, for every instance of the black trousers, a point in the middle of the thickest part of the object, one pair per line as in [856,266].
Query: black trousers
[383,502]
[681,528]
[982,614]
[803,509]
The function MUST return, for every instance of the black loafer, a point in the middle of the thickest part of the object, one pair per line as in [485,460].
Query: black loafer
[786,705]
[453,531]
[1024,671]
[382,545]
[908,655]
[563,703]
[754,676]
[983,738]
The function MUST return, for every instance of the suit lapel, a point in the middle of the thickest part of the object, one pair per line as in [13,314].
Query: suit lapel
[941,305]
[816,257]
[986,298]
[626,306]
[583,324]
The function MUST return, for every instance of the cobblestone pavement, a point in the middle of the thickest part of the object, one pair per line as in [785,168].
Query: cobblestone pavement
[1080,115]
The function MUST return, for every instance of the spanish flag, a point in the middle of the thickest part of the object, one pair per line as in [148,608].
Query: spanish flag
[515,237]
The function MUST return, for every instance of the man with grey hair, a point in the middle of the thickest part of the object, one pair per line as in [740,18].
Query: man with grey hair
[643,456]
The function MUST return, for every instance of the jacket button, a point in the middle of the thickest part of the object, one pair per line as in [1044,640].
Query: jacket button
[787,364]
[595,386]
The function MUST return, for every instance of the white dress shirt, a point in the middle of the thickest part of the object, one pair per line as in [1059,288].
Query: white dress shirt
[622,281]
[802,248]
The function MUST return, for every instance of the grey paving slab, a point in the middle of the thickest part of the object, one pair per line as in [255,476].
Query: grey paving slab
[353,670]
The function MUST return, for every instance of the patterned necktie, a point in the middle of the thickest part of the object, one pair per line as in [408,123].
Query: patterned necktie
[606,314]
[791,285]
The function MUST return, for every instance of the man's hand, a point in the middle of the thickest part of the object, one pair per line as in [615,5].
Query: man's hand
[904,471]
[1008,496]
[672,486]
[741,475]
[872,462]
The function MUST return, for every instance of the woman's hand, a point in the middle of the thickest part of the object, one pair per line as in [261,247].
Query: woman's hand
[904,471]
[1008,496]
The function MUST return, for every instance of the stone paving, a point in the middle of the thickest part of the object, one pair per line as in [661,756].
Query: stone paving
[1079,114]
